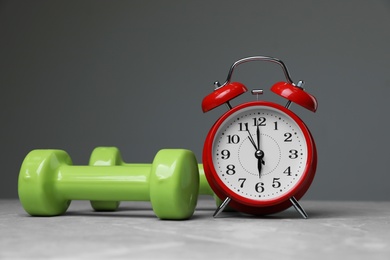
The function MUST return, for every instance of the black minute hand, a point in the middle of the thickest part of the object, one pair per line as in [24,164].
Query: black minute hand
[258,137]
[251,139]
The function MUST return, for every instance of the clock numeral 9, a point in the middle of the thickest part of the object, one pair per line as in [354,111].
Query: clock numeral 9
[225,154]
[231,169]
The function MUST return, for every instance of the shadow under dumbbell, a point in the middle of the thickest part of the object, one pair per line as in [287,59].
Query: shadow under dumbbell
[137,209]
[126,209]
[110,214]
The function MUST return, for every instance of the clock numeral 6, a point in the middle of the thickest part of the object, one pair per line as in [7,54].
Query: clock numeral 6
[259,187]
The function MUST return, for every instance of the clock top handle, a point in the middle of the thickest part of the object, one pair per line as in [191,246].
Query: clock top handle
[229,90]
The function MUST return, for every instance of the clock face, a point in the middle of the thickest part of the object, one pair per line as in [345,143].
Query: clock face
[260,153]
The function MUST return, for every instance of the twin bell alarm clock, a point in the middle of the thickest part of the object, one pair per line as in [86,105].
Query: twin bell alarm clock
[259,157]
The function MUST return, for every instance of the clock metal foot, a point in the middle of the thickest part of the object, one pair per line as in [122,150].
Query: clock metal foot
[298,207]
[222,207]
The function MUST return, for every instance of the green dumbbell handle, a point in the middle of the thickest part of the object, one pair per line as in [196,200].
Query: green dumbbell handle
[129,183]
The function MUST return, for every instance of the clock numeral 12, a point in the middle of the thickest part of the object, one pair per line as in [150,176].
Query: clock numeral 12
[259,121]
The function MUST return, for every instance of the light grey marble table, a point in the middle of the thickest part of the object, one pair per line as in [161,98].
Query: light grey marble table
[334,230]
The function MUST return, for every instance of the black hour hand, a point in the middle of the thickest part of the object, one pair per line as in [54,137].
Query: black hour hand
[260,162]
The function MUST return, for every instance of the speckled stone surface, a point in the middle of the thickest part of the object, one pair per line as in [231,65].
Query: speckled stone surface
[334,230]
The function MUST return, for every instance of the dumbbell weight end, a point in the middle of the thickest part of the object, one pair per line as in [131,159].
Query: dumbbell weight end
[36,189]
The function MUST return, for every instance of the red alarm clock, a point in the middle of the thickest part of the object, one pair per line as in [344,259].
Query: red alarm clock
[259,157]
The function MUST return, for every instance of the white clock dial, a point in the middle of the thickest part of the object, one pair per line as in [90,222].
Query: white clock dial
[259,153]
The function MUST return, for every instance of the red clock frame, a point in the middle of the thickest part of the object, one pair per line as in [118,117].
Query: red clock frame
[268,206]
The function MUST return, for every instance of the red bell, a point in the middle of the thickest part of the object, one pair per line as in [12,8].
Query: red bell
[296,95]
[223,95]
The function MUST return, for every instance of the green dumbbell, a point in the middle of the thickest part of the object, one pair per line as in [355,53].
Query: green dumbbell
[110,156]
[48,182]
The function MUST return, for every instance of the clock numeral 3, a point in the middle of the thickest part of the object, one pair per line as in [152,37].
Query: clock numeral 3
[293,154]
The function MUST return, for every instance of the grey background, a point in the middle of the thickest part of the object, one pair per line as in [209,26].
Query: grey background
[79,74]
